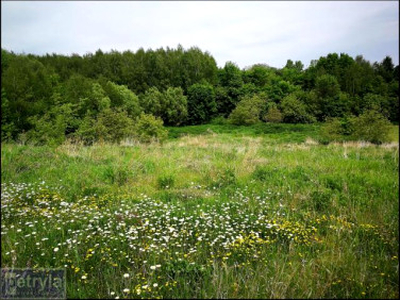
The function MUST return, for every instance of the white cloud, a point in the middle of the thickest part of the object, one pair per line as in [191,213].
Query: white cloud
[243,32]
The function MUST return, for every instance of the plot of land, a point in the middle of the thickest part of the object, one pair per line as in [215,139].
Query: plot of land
[215,211]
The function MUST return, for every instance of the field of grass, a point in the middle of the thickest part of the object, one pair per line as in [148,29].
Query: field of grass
[216,211]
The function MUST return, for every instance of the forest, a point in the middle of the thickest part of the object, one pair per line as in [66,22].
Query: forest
[114,95]
[157,174]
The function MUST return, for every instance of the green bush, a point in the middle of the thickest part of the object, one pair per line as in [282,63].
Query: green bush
[273,115]
[122,97]
[149,128]
[87,130]
[294,111]
[110,126]
[170,106]
[337,129]
[114,125]
[372,127]
[219,121]
[248,111]
[50,129]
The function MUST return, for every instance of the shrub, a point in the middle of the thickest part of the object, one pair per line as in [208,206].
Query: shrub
[371,126]
[294,111]
[121,96]
[110,125]
[87,130]
[273,115]
[337,129]
[113,126]
[175,106]
[149,128]
[247,112]
[170,106]
[51,128]
[219,121]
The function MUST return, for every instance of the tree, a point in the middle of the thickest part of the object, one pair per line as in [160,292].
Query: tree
[174,106]
[276,92]
[386,69]
[8,129]
[111,125]
[151,101]
[259,75]
[231,81]
[294,111]
[273,115]
[170,106]
[51,128]
[29,86]
[148,128]
[122,97]
[327,86]
[201,103]
[96,101]
[248,111]
[331,102]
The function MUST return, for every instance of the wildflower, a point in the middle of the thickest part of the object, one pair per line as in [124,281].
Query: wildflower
[126,291]
[126,275]
[84,277]
[155,285]
[56,249]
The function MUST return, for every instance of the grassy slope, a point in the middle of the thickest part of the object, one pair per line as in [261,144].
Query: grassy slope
[348,192]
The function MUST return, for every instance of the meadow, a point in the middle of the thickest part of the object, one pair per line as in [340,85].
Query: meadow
[215,211]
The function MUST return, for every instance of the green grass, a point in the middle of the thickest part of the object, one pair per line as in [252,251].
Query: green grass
[225,212]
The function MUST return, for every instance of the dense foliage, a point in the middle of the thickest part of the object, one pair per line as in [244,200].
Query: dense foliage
[45,99]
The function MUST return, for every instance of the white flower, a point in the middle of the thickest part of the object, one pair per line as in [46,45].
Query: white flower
[126,275]
[56,249]
[126,290]
[153,267]
[112,293]
[83,277]
[155,285]
[145,286]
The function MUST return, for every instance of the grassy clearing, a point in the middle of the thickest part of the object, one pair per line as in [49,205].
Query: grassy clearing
[216,211]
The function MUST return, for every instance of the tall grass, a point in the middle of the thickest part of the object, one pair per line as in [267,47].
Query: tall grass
[217,211]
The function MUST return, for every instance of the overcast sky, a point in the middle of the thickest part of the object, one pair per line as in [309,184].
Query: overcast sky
[243,32]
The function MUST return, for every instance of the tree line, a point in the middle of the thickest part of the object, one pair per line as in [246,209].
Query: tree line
[113,95]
